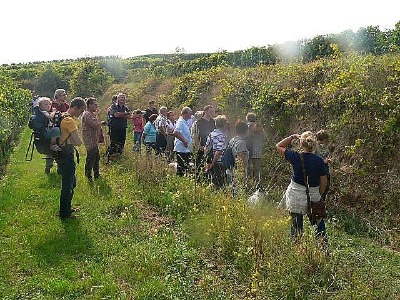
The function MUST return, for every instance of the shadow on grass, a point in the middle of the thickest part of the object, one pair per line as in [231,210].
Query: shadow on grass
[99,187]
[71,244]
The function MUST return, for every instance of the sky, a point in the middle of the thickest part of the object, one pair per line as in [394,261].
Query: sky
[45,30]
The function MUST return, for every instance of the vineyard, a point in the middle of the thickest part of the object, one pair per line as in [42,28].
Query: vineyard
[14,108]
[212,246]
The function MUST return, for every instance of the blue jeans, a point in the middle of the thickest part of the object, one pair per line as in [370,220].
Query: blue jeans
[52,132]
[66,165]
[137,137]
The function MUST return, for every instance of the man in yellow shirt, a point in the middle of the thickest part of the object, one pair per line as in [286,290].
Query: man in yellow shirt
[65,158]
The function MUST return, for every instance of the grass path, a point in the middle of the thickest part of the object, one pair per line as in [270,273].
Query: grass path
[129,242]
[117,248]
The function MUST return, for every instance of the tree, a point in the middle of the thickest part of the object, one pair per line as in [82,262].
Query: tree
[48,81]
[371,40]
[318,47]
[89,79]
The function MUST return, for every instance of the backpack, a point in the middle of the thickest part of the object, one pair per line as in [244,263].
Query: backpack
[38,126]
[38,121]
[228,160]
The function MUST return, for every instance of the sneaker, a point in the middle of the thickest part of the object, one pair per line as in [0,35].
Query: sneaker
[55,147]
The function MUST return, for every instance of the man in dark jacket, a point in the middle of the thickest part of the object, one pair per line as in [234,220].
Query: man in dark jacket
[119,115]
[202,129]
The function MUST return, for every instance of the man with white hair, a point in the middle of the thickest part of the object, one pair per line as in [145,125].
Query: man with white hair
[183,141]
[60,101]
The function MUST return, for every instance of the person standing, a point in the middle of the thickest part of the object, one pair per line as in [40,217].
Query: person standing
[183,141]
[108,111]
[323,150]
[69,138]
[170,135]
[161,124]
[138,126]
[202,129]
[59,104]
[150,134]
[91,133]
[216,144]
[237,176]
[255,144]
[314,172]
[150,110]
[119,114]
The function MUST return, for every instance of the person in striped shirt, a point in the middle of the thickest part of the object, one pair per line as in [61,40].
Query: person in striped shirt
[215,146]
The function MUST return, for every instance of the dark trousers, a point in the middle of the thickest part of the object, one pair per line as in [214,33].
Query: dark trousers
[161,143]
[182,161]
[92,162]
[150,147]
[49,163]
[66,166]
[218,175]
[297,226]
[201,159]
[117,141]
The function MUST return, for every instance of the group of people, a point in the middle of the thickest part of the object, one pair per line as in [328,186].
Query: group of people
[198,140]
[195,140]
[64,137]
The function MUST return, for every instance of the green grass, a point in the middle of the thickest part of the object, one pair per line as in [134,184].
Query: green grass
[143,233]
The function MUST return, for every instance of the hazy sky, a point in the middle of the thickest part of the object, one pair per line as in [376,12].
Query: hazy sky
[43,30]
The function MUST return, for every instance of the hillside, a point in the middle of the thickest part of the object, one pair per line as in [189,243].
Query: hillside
[356,98]
[142,233]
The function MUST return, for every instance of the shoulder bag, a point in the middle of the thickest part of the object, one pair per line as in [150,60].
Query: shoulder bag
[315,210]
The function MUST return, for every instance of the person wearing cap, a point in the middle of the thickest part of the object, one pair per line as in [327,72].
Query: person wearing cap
[61,105]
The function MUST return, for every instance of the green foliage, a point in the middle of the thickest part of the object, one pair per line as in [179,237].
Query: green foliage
[184,242]
[14,110]
[317,48]
[190,88]
[89,79]
[49,80]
